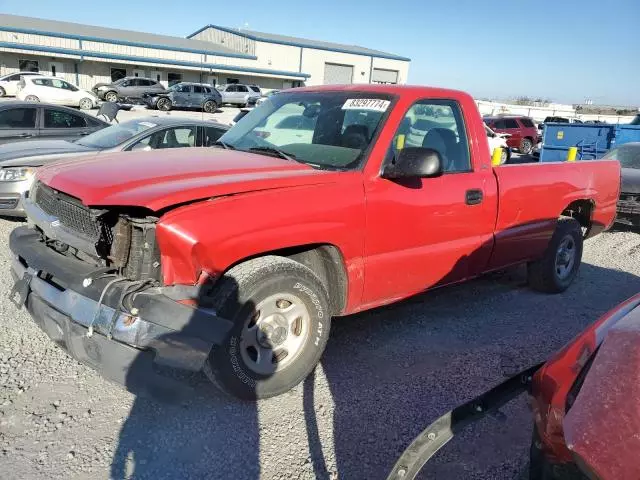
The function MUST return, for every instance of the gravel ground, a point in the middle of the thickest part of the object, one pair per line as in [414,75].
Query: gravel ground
[386,374]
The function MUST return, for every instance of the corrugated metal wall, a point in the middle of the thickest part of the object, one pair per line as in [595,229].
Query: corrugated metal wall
[233,41]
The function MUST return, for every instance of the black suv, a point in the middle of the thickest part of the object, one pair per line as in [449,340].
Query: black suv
[126,88]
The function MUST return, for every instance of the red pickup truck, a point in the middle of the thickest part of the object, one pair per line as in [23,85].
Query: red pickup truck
[322,202]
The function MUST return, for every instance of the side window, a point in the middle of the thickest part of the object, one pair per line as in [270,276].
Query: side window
[60,119]
[439,125]
[211,136]
[527,122]
[511,123]
[91,122]
[197,89]
[231,88]
[135,82]
[183,88]
[170,138]
[18,118]
[206,90]
[500,124]
[242,88]
[57,83]
[68,86]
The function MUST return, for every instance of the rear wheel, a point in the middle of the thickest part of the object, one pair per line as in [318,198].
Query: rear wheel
[163,104]
[209,106]
[2,92]
[31,98]
[111,96]
[281,318]
[85,104]
[554,272]
[526,146]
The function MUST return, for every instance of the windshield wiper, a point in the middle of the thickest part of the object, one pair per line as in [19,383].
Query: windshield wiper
[224,145]
[275,151]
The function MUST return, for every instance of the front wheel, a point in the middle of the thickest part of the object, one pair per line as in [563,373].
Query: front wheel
[31,98]
[85,104]
[164,104]
[3,93]
[554,272]
[280,311]
[209,106]
[526,146]
[111,96]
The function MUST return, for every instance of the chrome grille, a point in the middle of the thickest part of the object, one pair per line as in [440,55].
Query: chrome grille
[71,213]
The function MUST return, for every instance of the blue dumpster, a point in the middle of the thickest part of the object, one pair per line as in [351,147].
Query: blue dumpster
[592,140]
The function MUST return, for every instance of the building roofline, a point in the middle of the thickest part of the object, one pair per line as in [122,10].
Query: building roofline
[131,58]
[302,43]
[88,38]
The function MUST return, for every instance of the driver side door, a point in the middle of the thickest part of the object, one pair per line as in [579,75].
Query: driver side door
[426,232]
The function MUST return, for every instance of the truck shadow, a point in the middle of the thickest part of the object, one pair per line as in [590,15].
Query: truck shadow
[389,373]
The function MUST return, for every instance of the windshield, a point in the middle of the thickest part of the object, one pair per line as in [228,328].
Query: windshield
[628,155]
[115,134]
[323,129]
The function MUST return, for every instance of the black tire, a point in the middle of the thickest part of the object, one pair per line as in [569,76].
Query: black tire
[209,106]
[85,104]
[2,92]
[526,146]
[31,98]
[111,96]
[163,104]
[235,297]
[544,274]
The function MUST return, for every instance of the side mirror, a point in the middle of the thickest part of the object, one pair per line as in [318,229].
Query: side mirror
[414,162]
[140,147]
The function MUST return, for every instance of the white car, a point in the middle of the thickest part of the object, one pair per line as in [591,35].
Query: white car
[54,90]
[9,83]
[498,140]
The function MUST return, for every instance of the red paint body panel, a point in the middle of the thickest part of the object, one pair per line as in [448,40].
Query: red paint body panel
[219,207]
[532,197]
[553,382]
[603,425]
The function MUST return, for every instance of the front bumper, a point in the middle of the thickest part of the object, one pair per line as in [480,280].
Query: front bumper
[126,346]
[11,204]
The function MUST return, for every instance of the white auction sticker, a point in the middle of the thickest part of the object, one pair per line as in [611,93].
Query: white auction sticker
[148,124]
[373,104]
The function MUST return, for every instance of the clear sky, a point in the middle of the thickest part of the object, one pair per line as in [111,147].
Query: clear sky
[564,50]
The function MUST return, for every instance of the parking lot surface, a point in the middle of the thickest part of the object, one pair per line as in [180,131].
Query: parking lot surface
[385,375]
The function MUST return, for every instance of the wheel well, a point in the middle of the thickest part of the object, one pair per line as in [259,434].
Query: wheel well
[326,262]
[581,210]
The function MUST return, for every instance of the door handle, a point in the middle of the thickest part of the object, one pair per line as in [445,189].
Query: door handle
[473,197]
[24,135]
[85,133]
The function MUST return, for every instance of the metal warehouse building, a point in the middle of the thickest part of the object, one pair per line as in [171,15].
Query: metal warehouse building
[86,55]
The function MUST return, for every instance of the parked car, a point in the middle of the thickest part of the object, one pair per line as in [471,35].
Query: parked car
[237,94]
[628,155]
[39,88]
[561,120]
[524,134]
[127,89]
[240,115]
[20,121]
[9,83]
[185,95]
[313,206]
[498,140]
[18,161]
[584,403]
[255,101]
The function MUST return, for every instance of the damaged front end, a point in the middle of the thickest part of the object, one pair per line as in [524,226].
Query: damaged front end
[91,279]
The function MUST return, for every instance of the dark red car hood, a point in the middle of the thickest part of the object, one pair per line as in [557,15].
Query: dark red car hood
[159,179]
[602,427]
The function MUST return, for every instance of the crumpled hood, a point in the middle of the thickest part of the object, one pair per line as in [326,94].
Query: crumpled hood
[160,179]
[630,180]
[602,425]
[39,148]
